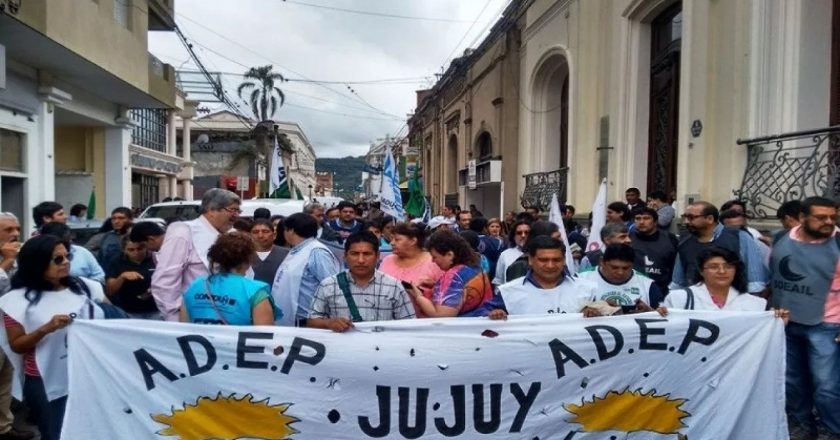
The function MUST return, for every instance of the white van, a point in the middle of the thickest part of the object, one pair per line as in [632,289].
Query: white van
[191,209]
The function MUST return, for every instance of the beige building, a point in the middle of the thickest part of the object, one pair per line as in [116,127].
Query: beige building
[83,109]
[471,116]
[656,94]
[214,140]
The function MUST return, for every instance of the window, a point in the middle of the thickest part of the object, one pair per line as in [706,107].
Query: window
[485,146]
[11,150]
[150,129]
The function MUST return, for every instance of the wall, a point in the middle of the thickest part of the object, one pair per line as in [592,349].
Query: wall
[120,50]
[71,147]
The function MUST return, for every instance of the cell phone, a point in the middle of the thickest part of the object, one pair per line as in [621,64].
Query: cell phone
[407,285]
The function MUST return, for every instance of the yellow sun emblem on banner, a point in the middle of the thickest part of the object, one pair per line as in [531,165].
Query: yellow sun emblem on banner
[228,418]
[630,411]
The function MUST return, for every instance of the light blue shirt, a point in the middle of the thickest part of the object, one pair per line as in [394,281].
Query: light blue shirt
[84,264]
[757,273]
[322,265]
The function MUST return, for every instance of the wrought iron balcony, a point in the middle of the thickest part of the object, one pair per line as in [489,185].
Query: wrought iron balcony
[539,187]
[790,166]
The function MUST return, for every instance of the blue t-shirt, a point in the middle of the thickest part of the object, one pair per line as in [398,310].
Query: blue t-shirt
[234,296]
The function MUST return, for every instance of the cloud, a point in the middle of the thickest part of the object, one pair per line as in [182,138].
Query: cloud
[329,45]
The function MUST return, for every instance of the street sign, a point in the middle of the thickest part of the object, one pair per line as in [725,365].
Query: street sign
[471,183]
[242,183]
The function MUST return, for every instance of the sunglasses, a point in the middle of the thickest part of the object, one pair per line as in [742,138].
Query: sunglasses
[60,259]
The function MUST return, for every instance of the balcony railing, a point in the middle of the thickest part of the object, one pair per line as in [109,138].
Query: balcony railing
[539,187]
[790,166]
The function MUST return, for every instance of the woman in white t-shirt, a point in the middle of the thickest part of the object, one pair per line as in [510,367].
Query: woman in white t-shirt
[44,300]
[720,285]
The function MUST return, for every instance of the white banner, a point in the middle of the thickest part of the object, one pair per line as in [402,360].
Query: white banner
[695,375]
[599,219]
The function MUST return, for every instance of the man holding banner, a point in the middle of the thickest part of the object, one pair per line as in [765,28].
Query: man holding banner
[360,293]
[545,288]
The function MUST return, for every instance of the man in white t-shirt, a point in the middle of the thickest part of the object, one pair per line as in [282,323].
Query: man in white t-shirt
[544,289]
[619,284]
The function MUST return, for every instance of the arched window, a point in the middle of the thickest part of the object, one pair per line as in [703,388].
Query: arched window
[484,146]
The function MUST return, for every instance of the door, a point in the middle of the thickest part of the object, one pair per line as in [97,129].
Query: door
[664,100]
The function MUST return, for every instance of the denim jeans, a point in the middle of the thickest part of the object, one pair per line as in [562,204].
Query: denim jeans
[49,414]
[813,374]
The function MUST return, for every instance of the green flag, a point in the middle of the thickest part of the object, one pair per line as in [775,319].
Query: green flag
[416,203]
[91,208]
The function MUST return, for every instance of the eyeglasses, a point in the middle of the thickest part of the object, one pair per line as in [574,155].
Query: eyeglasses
[824,218]
[236,211]
[60,259]
[726,267]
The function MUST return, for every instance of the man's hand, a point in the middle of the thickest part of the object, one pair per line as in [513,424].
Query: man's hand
[340,325]
[642,307]
[498,315]
[131,276]
[783,314]
[589,312]
[9,252]
[662,311]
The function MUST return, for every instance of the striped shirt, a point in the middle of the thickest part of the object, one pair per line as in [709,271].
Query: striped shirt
[30,367]
[383,299]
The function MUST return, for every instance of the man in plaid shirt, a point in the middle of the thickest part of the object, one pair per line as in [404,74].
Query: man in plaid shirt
[360,293]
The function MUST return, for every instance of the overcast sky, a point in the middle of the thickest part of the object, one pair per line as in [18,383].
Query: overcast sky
[307,42]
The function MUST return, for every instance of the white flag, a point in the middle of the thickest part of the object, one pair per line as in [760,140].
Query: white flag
[599,219]
[556,217]
[390,199]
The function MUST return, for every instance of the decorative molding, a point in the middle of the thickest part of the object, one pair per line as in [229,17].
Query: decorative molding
[547,16]
[54,95]
[155,161]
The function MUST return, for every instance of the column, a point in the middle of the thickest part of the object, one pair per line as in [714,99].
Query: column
[171,134]
[187,183]
[117,168]
[40,163]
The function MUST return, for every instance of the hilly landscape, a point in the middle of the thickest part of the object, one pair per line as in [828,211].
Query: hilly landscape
[347,173]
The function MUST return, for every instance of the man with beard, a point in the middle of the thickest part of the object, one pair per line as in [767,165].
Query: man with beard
[519,235]
[806,280]
[656,249]
[701,220]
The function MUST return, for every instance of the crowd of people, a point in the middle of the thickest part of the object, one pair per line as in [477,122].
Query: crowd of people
[329,268]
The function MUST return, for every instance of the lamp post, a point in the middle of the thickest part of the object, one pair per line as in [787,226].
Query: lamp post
[310,191]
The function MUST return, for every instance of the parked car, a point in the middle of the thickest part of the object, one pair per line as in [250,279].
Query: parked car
[82,231]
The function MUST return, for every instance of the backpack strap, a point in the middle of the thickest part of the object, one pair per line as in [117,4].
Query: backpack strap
[86,290]
[689,299]
[344,285]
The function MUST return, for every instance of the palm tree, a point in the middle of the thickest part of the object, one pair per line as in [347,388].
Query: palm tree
[264,96]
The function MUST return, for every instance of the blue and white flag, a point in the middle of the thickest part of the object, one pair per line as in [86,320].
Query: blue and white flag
[390,199]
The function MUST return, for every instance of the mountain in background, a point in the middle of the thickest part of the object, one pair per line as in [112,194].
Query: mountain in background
[347,173]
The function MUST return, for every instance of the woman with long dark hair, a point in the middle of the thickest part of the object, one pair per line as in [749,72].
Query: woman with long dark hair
[464,289]
[45,299]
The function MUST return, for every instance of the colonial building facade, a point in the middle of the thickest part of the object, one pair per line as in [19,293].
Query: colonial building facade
[701,99]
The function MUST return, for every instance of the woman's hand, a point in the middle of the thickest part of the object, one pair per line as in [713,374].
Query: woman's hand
[662,311]
[56,323]
[426,283]
[590,312]
[642,307]
[783,314]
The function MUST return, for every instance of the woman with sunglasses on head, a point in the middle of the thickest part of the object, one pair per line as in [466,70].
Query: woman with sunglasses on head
[44,300]
[720,284]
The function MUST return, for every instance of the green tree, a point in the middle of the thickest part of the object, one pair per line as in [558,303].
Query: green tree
[264,96]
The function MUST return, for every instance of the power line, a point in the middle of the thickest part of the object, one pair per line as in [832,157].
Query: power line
[376,14]
[385,81]
[213,31]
